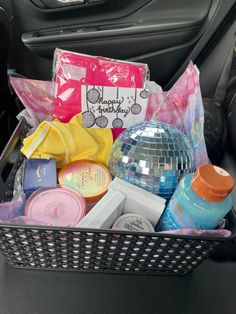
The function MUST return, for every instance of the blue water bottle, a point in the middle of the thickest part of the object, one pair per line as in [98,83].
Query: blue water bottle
[201,200]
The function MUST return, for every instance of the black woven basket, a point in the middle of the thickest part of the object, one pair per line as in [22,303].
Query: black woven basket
[74,249]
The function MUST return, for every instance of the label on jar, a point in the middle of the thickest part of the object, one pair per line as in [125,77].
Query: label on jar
[89,178]
[134,223]
[176,216]
[168,220]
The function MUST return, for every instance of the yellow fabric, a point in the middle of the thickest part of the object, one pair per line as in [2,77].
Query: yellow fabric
[67,142]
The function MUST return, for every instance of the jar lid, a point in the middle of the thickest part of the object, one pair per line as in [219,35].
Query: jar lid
[56,207]
[134,223]
[89,178]
[212,183]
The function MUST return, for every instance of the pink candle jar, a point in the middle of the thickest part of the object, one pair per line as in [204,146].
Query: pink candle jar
[56,207]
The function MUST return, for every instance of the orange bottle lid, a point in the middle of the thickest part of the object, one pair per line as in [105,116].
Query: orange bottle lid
[212,183]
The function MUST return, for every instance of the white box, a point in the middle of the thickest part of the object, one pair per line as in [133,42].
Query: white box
[139,201]
[105,212]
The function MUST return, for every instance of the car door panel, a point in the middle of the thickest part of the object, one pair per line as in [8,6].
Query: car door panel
[162,33]
[117,29]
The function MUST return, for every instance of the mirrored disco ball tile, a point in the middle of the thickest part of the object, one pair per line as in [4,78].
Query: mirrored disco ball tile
[152,155]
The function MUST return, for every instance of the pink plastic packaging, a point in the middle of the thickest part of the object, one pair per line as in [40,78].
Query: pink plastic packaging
[11,210]
[73,69]
[36,96]
[182,107]
[23,220]
[203,233]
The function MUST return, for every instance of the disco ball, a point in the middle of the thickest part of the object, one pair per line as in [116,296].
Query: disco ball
[152,155]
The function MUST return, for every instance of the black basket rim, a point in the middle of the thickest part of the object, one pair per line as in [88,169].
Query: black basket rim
[118,232]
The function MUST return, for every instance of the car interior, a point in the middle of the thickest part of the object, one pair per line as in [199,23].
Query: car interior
[166,35]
